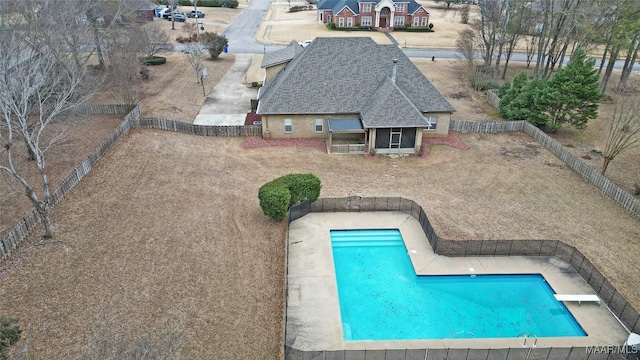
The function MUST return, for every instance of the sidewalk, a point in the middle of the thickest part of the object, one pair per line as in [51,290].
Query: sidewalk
[230,101]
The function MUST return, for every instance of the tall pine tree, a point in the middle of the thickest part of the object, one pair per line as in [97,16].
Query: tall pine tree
[572,94]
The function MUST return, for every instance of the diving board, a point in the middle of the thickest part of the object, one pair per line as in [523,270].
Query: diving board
[577,298]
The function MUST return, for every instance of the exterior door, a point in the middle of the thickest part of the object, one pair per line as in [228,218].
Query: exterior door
[385,13]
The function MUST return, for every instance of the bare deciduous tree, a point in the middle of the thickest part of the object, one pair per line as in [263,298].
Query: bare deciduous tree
[153,39]
[466,44]
[124,65]
[624,129]
[195,55]
[36,89]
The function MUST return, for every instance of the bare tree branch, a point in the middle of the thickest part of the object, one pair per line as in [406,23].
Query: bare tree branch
[624,129]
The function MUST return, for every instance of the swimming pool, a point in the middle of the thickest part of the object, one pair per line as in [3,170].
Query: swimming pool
[381,297]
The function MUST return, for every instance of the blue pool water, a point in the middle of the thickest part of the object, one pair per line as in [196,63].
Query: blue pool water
[381,298]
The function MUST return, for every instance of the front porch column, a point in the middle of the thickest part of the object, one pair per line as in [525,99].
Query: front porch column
[377,19]
[372,141]
[391,19]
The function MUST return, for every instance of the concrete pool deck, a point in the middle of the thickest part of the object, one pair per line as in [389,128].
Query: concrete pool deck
[313,309]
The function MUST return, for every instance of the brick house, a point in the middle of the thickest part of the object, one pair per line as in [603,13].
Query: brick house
[362,97]
[377,14]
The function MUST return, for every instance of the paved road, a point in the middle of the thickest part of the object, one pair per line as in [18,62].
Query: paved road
[517,57]
[242,31]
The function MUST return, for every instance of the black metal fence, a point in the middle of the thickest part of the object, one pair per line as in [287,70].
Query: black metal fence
[600,284]
[555,353]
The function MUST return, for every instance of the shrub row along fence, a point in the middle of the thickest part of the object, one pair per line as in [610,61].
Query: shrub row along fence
[602,286]
[591,175]
[131,120]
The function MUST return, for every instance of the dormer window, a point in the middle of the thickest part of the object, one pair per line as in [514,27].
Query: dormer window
[400,7]
[366,7]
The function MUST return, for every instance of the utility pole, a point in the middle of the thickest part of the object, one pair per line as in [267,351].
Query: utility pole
[195,8]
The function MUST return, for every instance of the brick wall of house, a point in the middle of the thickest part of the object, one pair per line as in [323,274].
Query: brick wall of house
[346,14]
[303,126]
[420,14]
[326,14]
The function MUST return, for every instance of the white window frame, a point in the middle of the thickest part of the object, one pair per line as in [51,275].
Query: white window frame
[319,125]
[398,21]
[366,21]
[424,21]
[288,126]
[329,17]
[416,21]
[340,22]
[366,7]
[434,123]
[400,7]
[349,22]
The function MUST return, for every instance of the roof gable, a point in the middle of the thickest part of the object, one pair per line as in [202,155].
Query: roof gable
[414,7]
[327,78]
[388,106]
[282,55]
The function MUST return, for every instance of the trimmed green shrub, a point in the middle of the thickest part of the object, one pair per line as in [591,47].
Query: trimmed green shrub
[9,334]
[278,195]
[274,201]
[155,60]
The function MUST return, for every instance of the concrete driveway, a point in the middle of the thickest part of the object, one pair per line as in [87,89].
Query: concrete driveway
[230,100]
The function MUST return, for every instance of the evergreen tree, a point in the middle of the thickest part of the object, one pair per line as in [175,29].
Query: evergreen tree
[572,94]
[517,102]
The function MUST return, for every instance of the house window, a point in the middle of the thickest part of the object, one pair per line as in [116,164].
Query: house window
[398,21]
[349,22]
[288,126]
[434,122]
[319,124]
[328,17]
[366,8]
[366,21]
[400,8]
[340,22]
[424,21]
[416,21]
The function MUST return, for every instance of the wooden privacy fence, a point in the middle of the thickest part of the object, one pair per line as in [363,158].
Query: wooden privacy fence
[558,249]
[132,120]
[591,175]
[492,98]
[203,130]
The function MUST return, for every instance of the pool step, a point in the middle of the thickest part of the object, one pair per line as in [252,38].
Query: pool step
[390,237]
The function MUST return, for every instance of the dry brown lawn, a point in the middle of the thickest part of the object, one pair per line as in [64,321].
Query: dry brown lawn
[166,231]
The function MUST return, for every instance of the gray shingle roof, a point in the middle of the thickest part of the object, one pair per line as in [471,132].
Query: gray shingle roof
[390,107]
[337,5]
[414,6]
[339,75]
[282,55]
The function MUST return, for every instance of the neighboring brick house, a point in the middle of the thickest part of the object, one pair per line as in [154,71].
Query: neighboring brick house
[377,14]
[362,97]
